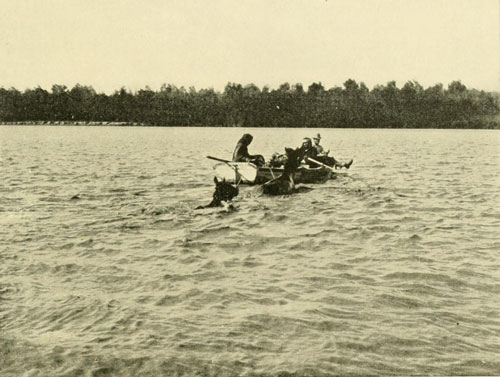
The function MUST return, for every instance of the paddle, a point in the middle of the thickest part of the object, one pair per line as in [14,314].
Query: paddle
[227,162]
[320,163]
[218,159]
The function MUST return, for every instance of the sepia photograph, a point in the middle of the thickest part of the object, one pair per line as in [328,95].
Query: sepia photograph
[249,188]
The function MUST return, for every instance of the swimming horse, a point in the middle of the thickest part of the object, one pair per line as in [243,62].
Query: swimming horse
[224,192]
[284,184]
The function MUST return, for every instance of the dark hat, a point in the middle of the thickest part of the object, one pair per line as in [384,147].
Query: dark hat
[317,137]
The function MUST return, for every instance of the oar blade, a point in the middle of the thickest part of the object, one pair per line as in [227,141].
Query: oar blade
[236,172]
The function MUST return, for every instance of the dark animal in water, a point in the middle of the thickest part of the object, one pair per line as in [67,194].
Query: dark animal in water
[224,192]
[284,184]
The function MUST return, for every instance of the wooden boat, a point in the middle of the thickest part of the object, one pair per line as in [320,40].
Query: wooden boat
[249,173]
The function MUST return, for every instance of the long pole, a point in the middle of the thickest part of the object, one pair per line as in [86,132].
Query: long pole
[320,163]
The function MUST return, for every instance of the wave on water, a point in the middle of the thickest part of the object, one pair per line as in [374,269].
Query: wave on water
[108,269]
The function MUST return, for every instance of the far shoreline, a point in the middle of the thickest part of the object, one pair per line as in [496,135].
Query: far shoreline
[493,125]
[290,106]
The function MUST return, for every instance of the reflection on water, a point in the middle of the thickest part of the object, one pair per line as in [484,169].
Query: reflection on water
[106,269]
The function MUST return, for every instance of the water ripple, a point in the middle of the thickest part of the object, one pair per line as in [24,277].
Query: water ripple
[106,269]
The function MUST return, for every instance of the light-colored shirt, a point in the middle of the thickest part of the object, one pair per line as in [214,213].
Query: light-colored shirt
[319,149]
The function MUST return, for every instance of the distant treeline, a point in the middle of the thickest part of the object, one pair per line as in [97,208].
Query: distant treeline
[352,105]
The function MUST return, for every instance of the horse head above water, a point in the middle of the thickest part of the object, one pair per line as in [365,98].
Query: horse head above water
[284,184]
[292,163]
[224,192]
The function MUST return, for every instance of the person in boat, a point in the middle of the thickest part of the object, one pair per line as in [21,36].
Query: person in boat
[306,151]
[323,157]
[319,149]
[241,154]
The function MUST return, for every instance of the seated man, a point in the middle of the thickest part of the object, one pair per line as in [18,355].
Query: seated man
[306,151]
[319,149]
[323,157]
[241,154]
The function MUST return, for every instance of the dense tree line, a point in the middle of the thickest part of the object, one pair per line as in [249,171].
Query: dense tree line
[352,105]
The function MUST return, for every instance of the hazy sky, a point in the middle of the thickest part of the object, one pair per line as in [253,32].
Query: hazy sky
[207,43]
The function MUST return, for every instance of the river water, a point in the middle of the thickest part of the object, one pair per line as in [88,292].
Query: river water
[106,269]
